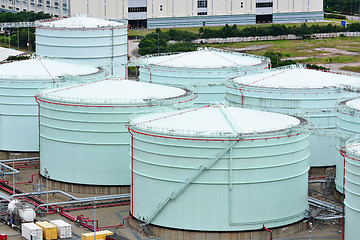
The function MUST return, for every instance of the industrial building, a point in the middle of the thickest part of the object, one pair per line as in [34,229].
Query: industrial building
[204,169]
[351,159]
[178,13]
[87,40]
[88,120]
[206,70]
[295,90]
[348,121]
[19,82]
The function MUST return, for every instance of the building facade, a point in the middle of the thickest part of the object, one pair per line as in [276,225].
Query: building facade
[178,13]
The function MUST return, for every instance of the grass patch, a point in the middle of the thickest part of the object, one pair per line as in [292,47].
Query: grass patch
[351,68]
[335,59]
[142,32]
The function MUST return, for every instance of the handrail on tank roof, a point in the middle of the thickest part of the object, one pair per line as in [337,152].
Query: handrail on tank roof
[267,60]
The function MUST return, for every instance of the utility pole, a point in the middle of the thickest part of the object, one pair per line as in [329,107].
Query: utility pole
[47,190]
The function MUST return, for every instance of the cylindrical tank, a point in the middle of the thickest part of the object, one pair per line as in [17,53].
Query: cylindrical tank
[19,82]
[83,138]
[16,207]
[348,121]
[300,91]
[219,168]
[351,153]
[81,38]
[206,70]
[13,204]
[27,214]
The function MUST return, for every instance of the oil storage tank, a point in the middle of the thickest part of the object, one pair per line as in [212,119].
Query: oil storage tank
[206,70]
[218,169]
[80,38]
[300,91]
[83,127]
[348,122]
[19,82]
[351,154]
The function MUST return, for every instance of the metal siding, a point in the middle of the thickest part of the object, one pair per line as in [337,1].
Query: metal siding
[100,47]
[262,170]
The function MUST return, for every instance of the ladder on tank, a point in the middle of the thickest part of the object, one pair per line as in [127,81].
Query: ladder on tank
[188,181]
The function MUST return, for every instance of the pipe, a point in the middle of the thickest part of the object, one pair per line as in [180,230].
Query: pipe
[13,170]
[317,181]
[79,200]
[343,213]
[30,181]
[271,233]
[18,160]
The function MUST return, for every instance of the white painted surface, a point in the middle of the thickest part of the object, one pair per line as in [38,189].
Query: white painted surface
[209,120]
[43,68]
[296,78]
[112,91]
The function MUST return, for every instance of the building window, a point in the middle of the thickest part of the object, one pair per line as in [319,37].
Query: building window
[160,8]
[264,4]
[202,4]
[137,9]
[242,4]
[202,13]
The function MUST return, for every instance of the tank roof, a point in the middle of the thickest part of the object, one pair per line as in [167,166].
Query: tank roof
[355,104]
[204,58]
[112,91]
[79,22]
[354,148]
[43,69]
[215,120]
[296,77]
[6,52]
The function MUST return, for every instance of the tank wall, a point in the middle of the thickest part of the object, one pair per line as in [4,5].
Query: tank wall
[100,47]
[18,119]
[258,169]
[349,123]
[318,106]
[352,203]
[208,84]
[93,139]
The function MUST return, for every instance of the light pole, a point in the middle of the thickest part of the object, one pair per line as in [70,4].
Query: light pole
[47,190]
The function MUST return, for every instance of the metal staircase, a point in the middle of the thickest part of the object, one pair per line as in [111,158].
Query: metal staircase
[188,181]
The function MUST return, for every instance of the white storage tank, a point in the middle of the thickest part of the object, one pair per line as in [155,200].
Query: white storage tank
[63,228]
[206,70]
[83,138]
[351,153]
[80,38]
[19,82]
[31,229]
[219,168]
[300,91]
[348,121]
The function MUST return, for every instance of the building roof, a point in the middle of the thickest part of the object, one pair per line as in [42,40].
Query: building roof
[297,78]
[355,104]
[204,58]
[215,120]
[79,22]
[112,91]
[43,69]
[6,52]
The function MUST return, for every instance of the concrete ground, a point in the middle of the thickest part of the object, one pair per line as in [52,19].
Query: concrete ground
[111,216]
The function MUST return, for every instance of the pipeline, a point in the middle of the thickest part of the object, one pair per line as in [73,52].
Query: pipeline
[271,233]
[343,202]
[30,181]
